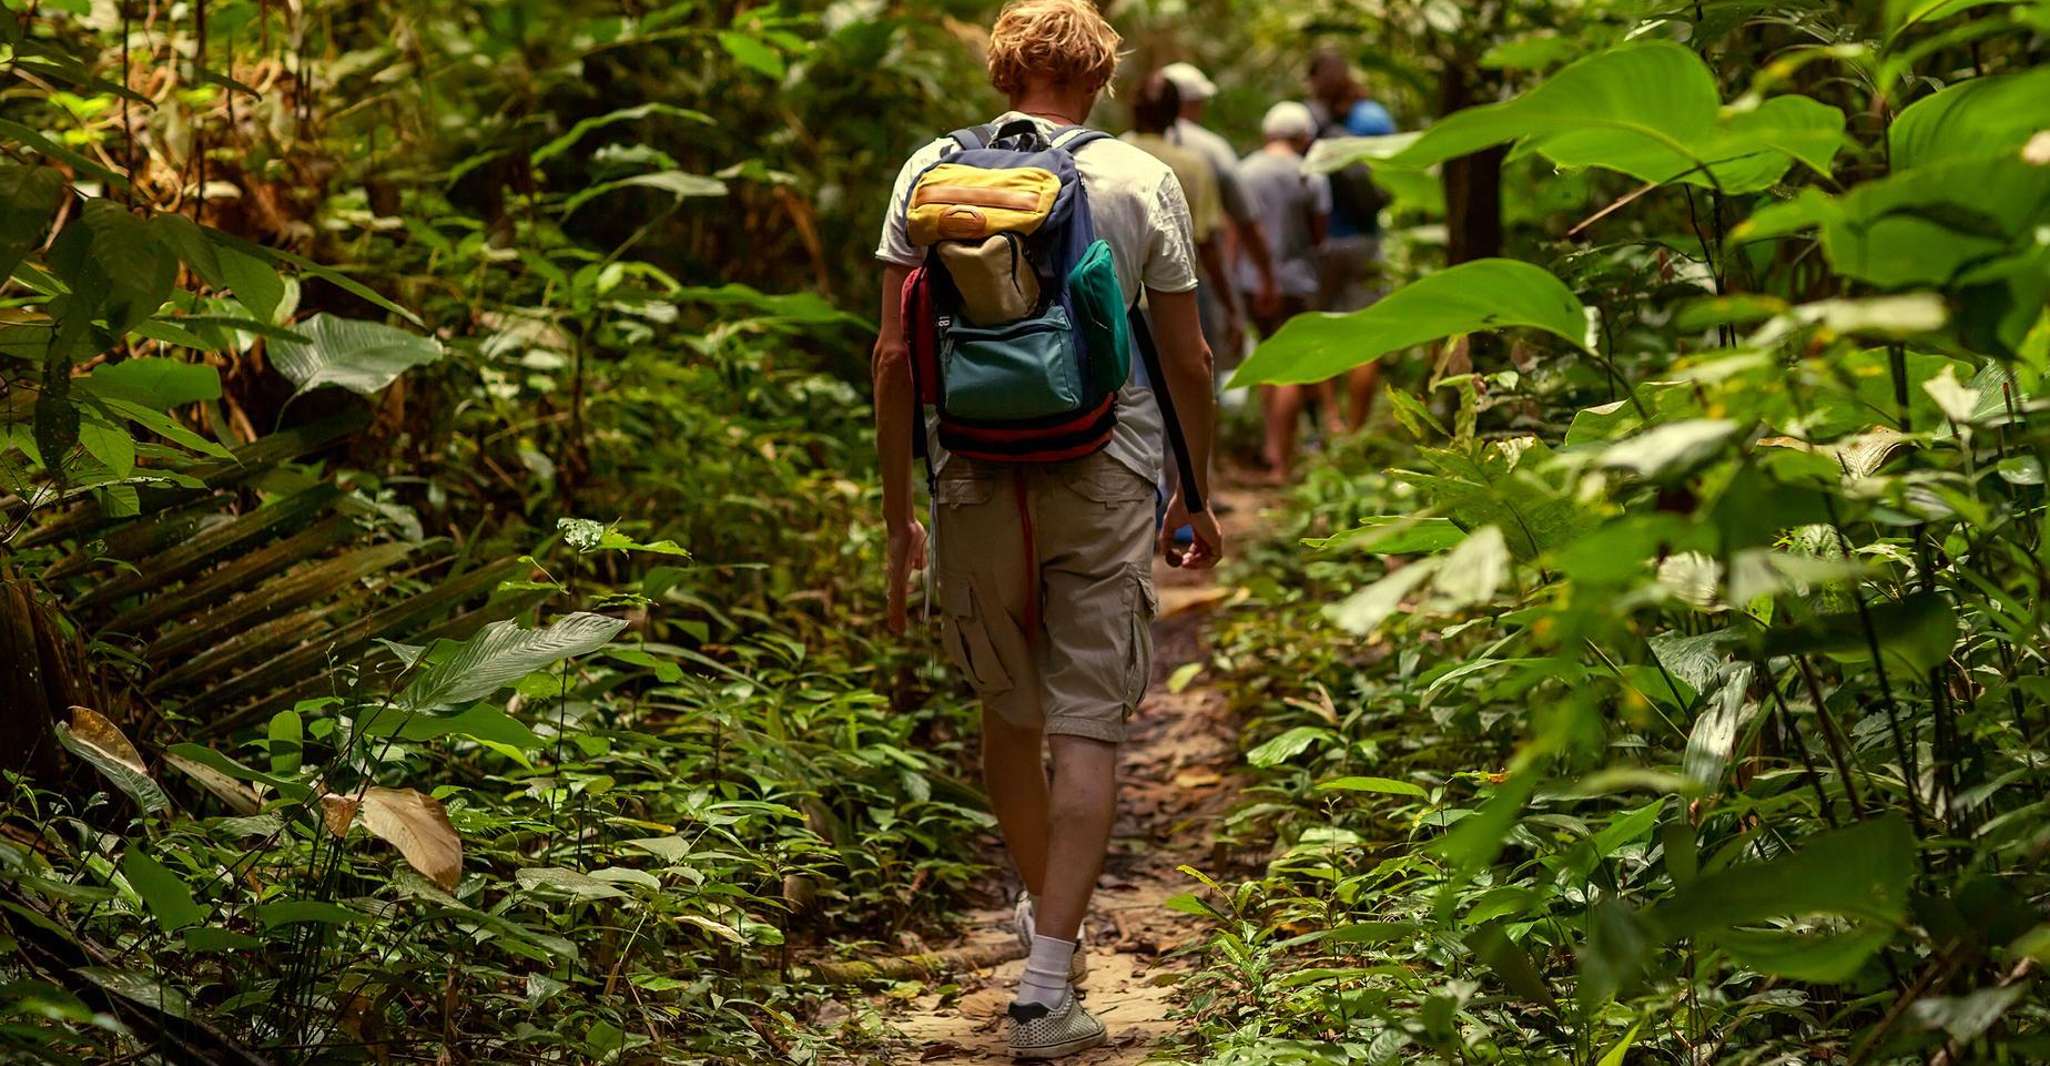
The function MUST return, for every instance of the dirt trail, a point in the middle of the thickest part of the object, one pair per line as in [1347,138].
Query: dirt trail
[1174,779]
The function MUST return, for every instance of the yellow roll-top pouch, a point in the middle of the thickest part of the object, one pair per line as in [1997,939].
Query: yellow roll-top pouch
[953,202]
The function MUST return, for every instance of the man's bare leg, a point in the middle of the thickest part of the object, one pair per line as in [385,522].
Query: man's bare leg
[1014,772]
[1359,387]
[1084,806]
[1283,406]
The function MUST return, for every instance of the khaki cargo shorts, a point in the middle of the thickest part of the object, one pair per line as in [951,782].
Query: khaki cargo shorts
[1076,661]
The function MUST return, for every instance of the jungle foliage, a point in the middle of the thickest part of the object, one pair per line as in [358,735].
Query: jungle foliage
[1680,690]
[431,573]
[437,597]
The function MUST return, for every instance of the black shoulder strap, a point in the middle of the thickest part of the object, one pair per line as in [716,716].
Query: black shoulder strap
[973,137]
[1142,338]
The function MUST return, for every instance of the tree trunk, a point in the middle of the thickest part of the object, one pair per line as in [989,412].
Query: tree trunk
[1473,183]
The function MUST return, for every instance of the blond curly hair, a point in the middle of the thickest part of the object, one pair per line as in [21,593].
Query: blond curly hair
[1066,40]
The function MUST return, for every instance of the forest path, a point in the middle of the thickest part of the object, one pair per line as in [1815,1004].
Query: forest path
[1174,781]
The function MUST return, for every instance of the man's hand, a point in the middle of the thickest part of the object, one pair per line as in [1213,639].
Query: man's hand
[906,556]
[1208,546]
[1267,301]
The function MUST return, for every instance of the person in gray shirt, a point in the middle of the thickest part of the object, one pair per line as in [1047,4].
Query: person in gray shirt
[1223,311]
[1292,209]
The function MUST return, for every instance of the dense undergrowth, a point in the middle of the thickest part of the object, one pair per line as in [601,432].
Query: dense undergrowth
[1670,687]
[543,718]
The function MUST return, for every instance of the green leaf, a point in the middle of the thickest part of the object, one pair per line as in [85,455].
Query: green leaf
[1493,947]
[1860,871]
[167,898]
[1387,785]
[1746,152]
[300,911]
[752,53]
[360,356]
[1977,117]
[1825,957]
[1394,535]
[558,881]
[626,114]
[154,382]
[114,263]
[1654,93]
[1615,1055]
[1486,294]
[1915,634]
[1286,746]
[1967,1017]
[1670,451]
[1475,840]
[287,742]
[28,197]
[502,653]
[15,131]
[108,441]
[674,182]
[254,282]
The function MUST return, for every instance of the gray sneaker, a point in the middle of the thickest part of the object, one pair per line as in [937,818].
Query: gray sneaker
[1041,1033]
[1026,924]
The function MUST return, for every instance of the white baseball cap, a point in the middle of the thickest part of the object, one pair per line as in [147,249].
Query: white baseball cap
[1288,120]
[1189,81]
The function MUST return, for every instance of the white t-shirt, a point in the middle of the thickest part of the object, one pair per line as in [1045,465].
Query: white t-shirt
[1137,206]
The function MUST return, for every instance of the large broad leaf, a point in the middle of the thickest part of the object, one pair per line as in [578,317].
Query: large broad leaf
[155,382]
[1656,93]
[502,653]
[162,892]
[1860,871]
[1915,634]
[1927,226]
[408,820]
[1486,294]
[28,197]
[1747,151]
[1980,117]
[114,260]
[1648,109]
[91,737]
[360,356]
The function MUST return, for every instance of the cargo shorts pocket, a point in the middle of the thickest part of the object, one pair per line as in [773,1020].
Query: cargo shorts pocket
[965,631]
[1144,606]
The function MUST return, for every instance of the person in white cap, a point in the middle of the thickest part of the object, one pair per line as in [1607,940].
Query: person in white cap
[1293,209]
[1223,313]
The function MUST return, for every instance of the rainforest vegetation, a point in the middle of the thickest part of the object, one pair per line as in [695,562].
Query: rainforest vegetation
[440,548]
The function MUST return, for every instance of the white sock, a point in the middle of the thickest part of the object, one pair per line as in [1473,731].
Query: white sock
[1046,972]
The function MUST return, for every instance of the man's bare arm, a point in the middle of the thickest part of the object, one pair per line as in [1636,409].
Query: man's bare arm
[890,369]
[1185,363]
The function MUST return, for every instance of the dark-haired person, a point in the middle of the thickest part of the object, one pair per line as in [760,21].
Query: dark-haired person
[1350,263]
[1156,107]
[1063,665]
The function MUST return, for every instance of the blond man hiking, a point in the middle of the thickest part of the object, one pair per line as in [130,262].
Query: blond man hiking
[1012,252]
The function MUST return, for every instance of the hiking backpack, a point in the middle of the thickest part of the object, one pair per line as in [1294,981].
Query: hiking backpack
[1019,334]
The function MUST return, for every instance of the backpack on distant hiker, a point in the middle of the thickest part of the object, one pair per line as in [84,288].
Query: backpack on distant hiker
[1017,325]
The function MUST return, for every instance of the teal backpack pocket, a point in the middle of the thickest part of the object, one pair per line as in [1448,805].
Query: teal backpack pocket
[1014,372]
[1099,303]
